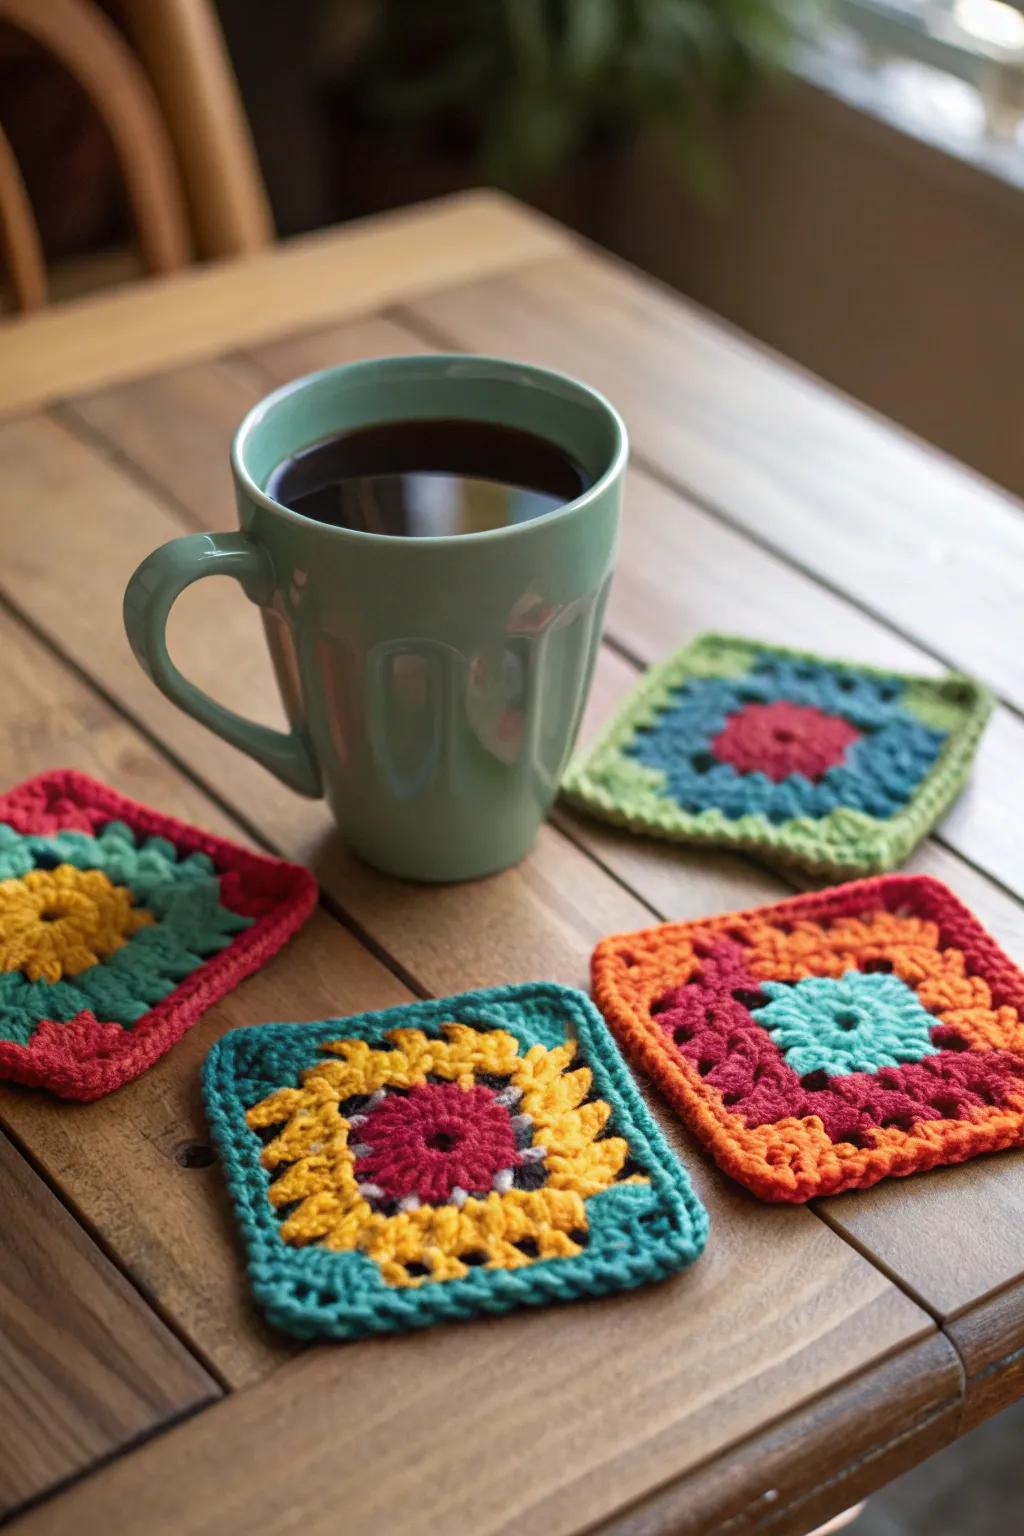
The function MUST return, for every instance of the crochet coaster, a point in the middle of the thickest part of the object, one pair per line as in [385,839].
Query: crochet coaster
[442,1160]
[836,767]
[828,1041]
[118,927]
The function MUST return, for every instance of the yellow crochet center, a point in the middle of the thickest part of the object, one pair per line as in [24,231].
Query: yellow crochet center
[58,922]
[314,1152]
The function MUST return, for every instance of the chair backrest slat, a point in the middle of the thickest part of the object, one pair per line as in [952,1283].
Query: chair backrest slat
[19,235]
[175,121]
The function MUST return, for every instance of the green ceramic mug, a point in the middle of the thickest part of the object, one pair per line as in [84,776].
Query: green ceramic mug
[434,686]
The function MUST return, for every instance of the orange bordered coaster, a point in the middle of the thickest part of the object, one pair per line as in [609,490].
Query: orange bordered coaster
[828,1041]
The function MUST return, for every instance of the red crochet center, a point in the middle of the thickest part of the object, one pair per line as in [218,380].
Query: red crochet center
[436,1138]
[781,738]
[86,1057]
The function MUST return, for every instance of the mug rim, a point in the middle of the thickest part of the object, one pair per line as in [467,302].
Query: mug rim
[257,413]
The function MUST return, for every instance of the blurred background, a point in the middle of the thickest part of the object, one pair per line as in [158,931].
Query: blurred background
[842,179]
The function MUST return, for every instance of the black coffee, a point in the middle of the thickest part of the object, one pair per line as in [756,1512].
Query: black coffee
[427,478]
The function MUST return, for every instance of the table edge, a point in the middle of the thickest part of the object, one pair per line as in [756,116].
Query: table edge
[329,275]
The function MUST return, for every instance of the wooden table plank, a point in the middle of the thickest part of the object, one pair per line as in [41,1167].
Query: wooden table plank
[678,883]
[205,403]
[123,1163]
[444,1465]
[86,1367]
[758,1489]
[913,536]
[990,1342]
[833,1314]
[341,272]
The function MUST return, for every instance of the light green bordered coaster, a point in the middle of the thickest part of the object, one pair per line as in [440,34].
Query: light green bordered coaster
[835,766]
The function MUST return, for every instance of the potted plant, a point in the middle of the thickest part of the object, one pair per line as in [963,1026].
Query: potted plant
[528,94]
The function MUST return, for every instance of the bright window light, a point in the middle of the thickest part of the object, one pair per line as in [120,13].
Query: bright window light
[991,21]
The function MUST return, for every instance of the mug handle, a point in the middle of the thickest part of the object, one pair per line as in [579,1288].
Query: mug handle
[148,599]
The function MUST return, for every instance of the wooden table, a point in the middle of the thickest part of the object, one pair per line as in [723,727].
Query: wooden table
[812,1353]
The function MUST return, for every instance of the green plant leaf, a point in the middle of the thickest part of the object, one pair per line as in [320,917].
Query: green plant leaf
[532,83]
[529,36]
[592,31]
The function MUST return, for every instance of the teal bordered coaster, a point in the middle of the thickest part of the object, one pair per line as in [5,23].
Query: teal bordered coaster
[442,1160]
[834,766]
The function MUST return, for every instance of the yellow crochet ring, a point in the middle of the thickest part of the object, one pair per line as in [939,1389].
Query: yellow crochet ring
[315,1155]
[59,922]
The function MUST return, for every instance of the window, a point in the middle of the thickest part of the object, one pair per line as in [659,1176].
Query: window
[951,71]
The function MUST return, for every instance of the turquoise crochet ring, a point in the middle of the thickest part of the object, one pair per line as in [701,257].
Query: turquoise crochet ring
[830,765]
[442,1160]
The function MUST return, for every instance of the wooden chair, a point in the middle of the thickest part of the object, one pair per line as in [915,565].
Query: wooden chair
[168,99]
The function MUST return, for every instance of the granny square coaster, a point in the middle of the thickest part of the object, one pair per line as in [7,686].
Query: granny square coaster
[442,1160]
[836,767]
[118,927]
[829,1041]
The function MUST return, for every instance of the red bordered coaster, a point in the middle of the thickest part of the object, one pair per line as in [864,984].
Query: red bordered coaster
[119,926]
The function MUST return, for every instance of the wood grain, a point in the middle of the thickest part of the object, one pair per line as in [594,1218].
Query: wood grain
[552,1421]
[954,1236]
[328,345]
[990,1341]
[176,427]
[85,1366]
[914,537]
[758,1486]
[92,341]
[830,1314]
[126,1163]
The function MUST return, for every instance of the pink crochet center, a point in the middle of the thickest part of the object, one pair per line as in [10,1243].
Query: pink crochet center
[781,738]
[436,1138]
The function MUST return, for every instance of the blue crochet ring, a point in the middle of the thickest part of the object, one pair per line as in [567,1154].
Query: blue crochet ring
[879,775]
[443,1160]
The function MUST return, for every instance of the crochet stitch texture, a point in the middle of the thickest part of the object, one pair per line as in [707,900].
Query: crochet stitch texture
[441,1160]
[118,927]
[828,1041]
[836,767]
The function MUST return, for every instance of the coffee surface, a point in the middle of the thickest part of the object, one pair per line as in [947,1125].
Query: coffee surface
[425,479]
